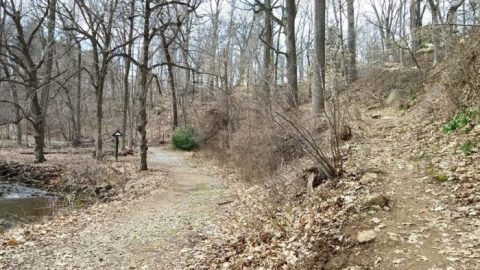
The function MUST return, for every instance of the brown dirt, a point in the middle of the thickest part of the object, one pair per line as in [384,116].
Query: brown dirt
[150,232]
[421,229]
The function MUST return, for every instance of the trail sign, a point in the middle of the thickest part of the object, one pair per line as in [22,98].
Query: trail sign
[116,135]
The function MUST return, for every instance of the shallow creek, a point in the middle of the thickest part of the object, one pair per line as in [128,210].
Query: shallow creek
[20,203]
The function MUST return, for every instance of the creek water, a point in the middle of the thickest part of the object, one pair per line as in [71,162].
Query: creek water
[20,203]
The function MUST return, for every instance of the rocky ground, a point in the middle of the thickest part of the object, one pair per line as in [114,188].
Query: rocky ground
[421,225]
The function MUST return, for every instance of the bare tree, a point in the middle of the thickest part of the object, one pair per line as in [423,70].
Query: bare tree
[126,75]
[20,57]
[95,25]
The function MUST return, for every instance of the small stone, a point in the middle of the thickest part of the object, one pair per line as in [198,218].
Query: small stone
[376,220]
[366,236]
[369,178]
[376,200]
[397,261]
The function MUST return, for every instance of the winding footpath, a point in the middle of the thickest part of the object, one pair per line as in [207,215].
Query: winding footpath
[421,230]
[151,233]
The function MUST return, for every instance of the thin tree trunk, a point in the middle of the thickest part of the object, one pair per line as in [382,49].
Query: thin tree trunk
[78,98]
[171,81]
[45,96]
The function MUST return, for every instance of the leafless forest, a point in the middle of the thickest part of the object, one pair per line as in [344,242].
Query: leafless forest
[319,134]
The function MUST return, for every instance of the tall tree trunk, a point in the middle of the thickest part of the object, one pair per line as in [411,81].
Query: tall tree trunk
[292,86]
[38,121]
[126,83]
[142,97]
[267,53]
[416,24]
[214,44]
[435,30]
[78,98]
[352,43]
[99,141]
[318,88]
[45,96]
[171,82]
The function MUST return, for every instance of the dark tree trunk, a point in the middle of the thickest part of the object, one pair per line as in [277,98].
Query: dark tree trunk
[352,43]
[267,52]
[171,81]
[292,86]
[78,98]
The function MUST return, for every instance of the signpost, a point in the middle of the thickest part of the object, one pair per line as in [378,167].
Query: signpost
[116,135]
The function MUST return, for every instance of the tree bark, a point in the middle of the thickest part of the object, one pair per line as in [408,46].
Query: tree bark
[352,43]
[267,52]
[171,82]
[416,24]
[292,86]
[18,115]
[435,30]
[142,97]
[318,89]
[78,98]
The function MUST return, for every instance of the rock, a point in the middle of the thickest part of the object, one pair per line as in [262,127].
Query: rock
[366,236]
[376,200]
[376,221]
[397,261]
[368,178]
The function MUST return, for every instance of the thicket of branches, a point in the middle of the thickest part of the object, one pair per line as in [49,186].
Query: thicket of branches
[77,70]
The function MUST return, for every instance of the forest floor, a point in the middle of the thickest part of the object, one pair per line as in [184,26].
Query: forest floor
[422,227]
[430,221]
[147,233]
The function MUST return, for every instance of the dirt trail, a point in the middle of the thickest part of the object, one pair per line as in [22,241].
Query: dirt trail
[419,231]
[148,234]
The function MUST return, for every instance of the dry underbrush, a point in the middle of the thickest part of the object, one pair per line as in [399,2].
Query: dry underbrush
[250,142]
[276,224]
[262,232]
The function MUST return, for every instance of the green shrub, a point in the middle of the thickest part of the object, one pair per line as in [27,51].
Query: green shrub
[462,119]
[184,139]
[467,147]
